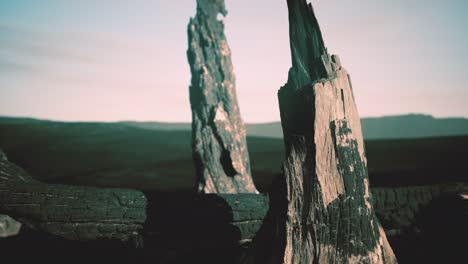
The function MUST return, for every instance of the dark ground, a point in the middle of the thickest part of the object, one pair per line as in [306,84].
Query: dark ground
[121,156]
[117,155]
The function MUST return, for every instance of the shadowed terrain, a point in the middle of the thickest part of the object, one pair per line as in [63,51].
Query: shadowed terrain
[159,161]
[116,155]
[395,127]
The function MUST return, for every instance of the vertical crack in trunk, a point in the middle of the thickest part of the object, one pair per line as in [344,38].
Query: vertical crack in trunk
[326,214]
[218,132]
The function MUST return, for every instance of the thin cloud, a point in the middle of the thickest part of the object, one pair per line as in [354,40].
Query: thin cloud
[21,42]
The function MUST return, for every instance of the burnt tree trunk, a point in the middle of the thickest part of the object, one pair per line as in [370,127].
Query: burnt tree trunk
[179,220]
[71,212]
[218,132]
[173,222]
[328,215]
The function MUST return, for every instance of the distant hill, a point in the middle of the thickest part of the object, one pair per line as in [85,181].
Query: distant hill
[387,127]
[158,125]
[272,129]
[413,126]
[122,155]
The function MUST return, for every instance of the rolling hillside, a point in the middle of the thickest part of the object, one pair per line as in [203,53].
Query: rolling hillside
[387,127]
[119,155]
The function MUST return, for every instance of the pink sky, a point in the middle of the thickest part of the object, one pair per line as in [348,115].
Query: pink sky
[108,60]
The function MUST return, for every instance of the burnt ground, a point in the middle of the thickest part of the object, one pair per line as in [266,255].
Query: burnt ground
[114,155]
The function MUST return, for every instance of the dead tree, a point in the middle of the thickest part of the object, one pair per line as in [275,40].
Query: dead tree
[218,132]
[71,212]
[322,212]
[88,214]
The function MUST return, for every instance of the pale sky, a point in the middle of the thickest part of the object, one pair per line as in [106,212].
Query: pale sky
[108,60]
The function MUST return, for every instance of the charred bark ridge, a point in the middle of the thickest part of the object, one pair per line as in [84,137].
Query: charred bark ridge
[329,217]
[185,226]
[71,212]
[218,132]
[181,220]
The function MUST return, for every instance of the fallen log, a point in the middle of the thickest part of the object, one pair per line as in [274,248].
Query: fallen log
[187,219]
[71,212]
[181,219]
[179,226]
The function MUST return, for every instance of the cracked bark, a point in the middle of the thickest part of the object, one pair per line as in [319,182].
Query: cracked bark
[71,212]
[221,220]
[399,208]
[85,214]
[218,132]
[321,209]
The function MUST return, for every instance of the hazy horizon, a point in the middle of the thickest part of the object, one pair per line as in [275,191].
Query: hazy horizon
[189,121]
[111,61]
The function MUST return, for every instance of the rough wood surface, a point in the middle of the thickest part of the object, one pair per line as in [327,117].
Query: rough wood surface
[218,132]
[400,209]
[71,212]
[329,217]
[180,220]
[185,224]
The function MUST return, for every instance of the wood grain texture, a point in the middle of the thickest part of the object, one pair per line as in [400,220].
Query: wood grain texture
[218,132]
[328,211]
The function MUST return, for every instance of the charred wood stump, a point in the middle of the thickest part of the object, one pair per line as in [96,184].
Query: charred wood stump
[179,220]
[71,212]
[322,208]
[218,132]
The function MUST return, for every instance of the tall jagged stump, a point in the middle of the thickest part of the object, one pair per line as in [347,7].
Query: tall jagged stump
[329,214]
[218,132]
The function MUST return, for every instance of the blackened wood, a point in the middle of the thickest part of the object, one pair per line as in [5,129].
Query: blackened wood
[218,132]
[327,214]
